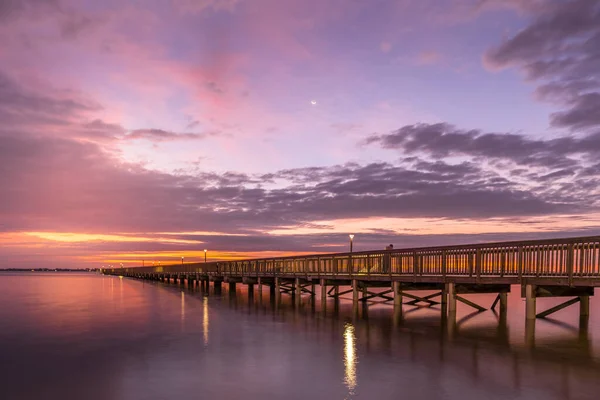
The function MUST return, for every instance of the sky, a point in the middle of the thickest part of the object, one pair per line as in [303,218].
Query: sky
[145,131]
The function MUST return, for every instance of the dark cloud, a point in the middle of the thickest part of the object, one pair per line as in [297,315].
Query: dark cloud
[66,185]
[21,107]
[444,140]
[585,112]
[11,9]
[560,50]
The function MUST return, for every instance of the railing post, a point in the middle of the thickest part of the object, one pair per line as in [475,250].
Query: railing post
[444,264]
[477,264]
[520,263]
[319,267]
[470,262]
[570,262]
[415,264]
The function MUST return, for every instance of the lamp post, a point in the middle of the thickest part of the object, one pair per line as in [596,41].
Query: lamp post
[205,256]
[351,238]
[181,260]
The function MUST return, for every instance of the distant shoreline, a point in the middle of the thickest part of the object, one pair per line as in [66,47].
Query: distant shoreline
[47,270]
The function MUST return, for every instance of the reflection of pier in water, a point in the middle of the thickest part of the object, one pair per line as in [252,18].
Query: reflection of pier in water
[563,364]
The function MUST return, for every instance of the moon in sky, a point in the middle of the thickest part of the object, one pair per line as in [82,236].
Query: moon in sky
[313,102]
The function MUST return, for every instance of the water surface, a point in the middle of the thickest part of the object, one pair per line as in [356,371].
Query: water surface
[86,336]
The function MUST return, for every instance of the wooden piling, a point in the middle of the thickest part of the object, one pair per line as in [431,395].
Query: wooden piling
[530,301]
[451,293]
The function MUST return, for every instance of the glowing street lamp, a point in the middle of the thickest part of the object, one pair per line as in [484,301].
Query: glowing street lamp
[181,260]
[351,238]
[205,255]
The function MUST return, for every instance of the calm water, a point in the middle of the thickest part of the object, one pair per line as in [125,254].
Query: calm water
[84,336]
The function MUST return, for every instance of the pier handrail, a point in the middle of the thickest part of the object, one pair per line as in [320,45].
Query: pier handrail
[570,258]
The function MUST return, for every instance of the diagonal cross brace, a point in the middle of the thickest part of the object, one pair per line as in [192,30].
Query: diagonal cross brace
[381,294]
[420,299]
[341,293]
[425,298]
[559,307]
[469,303]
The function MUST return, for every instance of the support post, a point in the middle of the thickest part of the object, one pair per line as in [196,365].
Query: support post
[530,333]
[503,303]
[298,291]
[354,291]
[451,292]
[277,290]
[584,306]
[323,290]
[530,301]
[396,286]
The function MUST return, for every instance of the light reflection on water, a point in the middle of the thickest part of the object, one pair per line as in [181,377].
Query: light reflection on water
[350,357]
[66,336]
[205,320]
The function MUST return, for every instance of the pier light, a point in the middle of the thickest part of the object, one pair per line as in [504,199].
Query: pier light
[351,239]
[205,255]
[181,260]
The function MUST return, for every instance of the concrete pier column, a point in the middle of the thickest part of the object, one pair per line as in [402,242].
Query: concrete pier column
[218,287]
[584,306]
[503,303]
[312,289]
[259,285]
[232,287]
[397,287]
[250,290]
[365,292]
[298,291]
[354,291]
[451,297]
[530,301]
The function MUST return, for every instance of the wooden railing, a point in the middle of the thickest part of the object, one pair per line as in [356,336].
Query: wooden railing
[570,258]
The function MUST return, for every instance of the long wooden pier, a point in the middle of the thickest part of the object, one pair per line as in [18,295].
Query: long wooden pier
[568,267]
